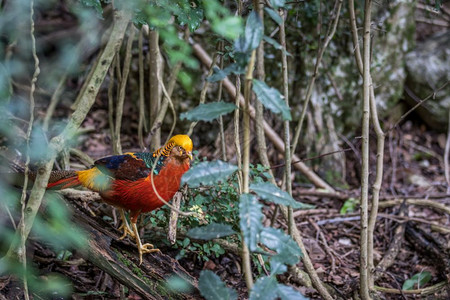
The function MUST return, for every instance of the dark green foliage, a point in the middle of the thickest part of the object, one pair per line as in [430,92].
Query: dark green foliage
[274,15]
[250,216]
[277,3]
[208,173]
[288,252]
[276,45]
[243,46]
[211,231]
[272,193]
[288,293]
[417,281]
[285,250]
[271,99]
[267,288]
[253,33]
[187,14]
[208,111]
[212,288]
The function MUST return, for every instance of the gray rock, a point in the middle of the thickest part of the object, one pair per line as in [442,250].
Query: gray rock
[428,69]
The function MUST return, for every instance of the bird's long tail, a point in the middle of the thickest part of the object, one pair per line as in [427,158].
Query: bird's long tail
[58,179]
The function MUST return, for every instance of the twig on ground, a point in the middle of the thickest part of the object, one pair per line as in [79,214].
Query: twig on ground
[325,244]
[394,248]
[425,291]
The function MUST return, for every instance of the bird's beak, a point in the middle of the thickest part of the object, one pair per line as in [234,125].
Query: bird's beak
[189,154]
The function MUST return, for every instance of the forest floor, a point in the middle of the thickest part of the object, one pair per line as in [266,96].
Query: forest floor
[413,171]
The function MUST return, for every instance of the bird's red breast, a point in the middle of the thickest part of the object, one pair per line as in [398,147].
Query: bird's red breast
[125,180]
[139,195]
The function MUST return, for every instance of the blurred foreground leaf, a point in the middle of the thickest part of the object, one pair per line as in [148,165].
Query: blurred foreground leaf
[212,288]
[264,288]
[267,288]
[178,284]
[289,293]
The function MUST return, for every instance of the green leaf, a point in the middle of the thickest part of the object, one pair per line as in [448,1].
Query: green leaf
[419,280]
[349,206]
[271,99]
[253,32]
[272,193]
[250,219]
[218,74]
[288,293]
[221,74]
[288,251]
[207,173]
[276,45]
[229,27]
[211,231]
[193,17]
[96,5]
[208,112]
[178,284]
[212,288]
[5,85]
[277,3]
[274,15]
[265,288]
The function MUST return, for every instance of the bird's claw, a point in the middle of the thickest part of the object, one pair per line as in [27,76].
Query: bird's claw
[126,231]
[146,248]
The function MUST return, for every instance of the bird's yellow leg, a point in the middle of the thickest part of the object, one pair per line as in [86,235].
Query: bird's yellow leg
[142,248]
[125,227]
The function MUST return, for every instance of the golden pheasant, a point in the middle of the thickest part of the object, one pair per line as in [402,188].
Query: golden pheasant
[125,181]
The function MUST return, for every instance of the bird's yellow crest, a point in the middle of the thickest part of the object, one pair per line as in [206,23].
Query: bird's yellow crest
[183,141]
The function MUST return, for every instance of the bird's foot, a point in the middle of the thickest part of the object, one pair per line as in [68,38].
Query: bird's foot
[126,231]
[146,248]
